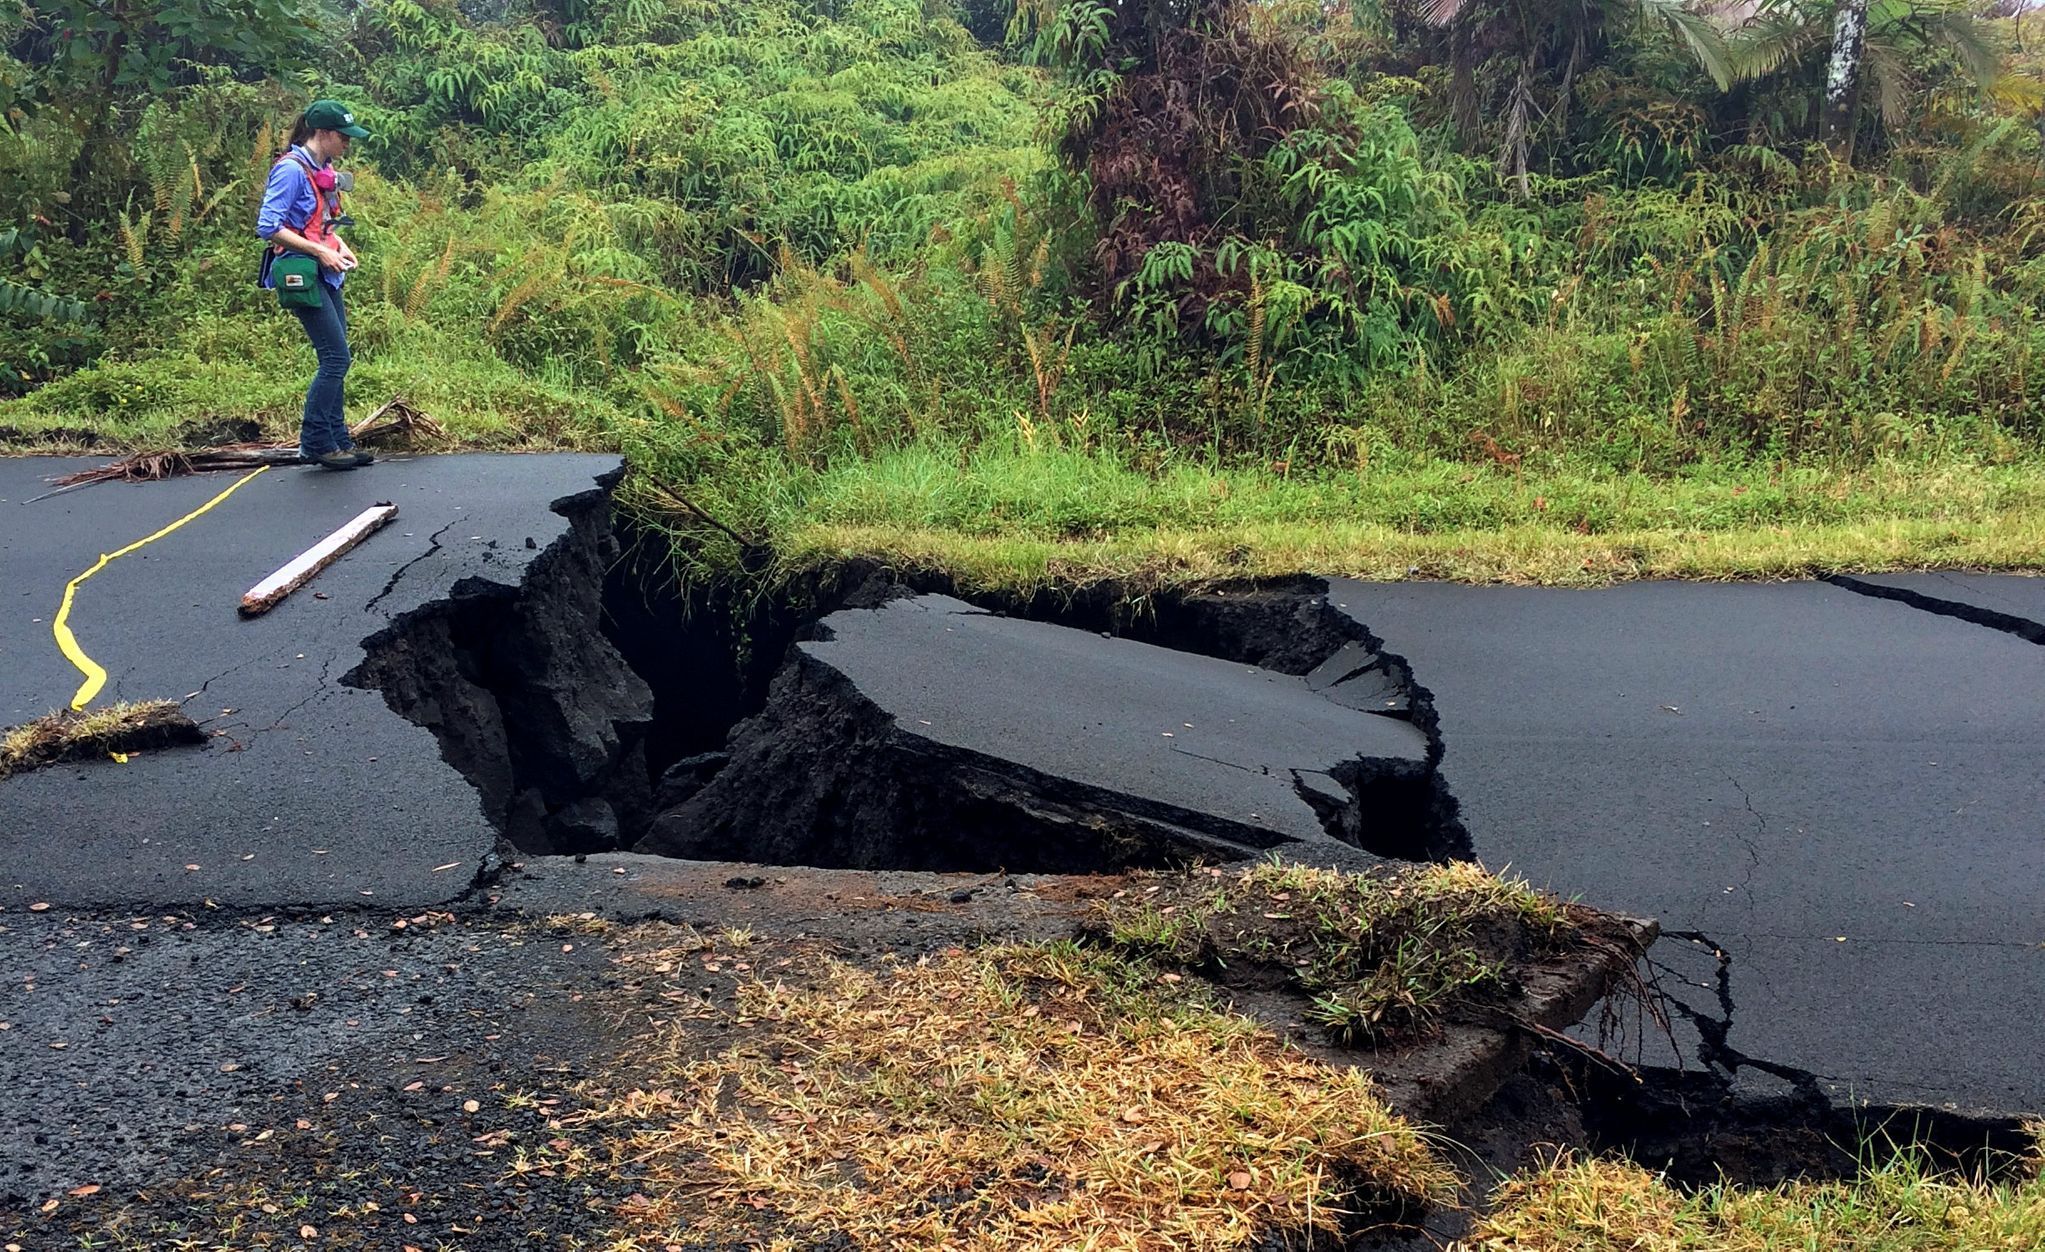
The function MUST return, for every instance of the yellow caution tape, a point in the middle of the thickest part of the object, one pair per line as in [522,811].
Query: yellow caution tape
[67,643]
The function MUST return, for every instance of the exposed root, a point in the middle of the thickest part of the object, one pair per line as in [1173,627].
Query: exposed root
[398,424]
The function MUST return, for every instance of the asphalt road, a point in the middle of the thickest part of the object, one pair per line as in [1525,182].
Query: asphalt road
[1842,794]
[311,792]
[1838,792]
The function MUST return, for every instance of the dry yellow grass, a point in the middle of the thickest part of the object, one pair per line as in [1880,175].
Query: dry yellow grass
[1020,1098]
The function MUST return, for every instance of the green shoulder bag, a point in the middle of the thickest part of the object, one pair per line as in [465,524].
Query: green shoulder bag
[297,277]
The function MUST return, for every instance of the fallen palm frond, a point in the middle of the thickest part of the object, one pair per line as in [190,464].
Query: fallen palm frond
[1016,1098]
[396,423]
[83,735]
[150,466]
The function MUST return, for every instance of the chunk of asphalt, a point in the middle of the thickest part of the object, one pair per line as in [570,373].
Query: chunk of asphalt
[927,732]
[586,823]
[1347,662]
[687,776]
[1373,691]
[1356,677]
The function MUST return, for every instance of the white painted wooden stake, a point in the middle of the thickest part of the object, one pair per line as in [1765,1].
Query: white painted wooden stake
[264,596]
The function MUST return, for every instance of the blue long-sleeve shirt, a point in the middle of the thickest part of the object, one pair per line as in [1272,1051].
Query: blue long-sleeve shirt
[288,200]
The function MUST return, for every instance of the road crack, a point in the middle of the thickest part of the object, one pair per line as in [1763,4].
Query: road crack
[326,667]
[1714,1034]
[1746,884]
[1264,771]
[1978,615]
[433,547]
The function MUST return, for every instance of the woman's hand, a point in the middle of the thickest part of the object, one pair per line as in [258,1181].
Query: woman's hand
[332,260]
[347,253]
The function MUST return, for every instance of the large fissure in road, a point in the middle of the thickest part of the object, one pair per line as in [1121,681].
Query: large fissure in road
[865,718]
[873,718]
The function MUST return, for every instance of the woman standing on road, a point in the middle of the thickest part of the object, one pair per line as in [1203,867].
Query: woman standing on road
[306,263]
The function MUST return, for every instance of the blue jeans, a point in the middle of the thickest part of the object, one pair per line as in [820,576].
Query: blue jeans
[325,427]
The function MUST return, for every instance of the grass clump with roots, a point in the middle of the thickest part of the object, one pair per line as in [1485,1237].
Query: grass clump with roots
[1383,956]
[70,735]
[1023,1097]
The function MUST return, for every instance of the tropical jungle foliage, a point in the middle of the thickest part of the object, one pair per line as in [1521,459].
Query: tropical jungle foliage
[756,242]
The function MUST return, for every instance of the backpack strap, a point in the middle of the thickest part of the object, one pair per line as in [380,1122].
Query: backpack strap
[322,212]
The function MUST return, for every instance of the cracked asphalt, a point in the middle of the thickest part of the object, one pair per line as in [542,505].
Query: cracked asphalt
[1829,797]
[315,794]
[1831,800]
[270,949]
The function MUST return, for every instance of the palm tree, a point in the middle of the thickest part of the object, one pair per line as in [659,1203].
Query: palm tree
[1537,34]
[1842,76]
[1866,47]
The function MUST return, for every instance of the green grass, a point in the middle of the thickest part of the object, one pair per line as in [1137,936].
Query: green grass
[227,371]
[1582,1205]
[1001,517]
[1000,513]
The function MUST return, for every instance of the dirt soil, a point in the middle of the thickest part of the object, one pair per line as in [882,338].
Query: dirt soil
[373,1081]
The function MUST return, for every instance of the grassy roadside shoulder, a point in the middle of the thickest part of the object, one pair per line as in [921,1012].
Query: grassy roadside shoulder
[1010,518]
[1000,513]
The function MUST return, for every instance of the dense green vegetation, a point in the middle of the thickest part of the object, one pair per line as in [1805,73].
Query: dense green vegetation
[1080,286]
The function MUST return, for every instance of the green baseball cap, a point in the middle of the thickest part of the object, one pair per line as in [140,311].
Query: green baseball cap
[333,115]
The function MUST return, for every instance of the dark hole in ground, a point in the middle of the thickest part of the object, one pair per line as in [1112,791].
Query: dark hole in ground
[598,703]
[1698,1128]
[822,779]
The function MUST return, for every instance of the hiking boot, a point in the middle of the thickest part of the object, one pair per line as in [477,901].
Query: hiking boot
[336,460]
[362,456]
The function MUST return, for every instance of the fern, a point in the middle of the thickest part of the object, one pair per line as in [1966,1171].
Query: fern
[19,303]
[135,237]
[543,278]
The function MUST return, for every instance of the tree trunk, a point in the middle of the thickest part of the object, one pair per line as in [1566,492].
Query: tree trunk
[1840,118]
[96,148]
[1462,82]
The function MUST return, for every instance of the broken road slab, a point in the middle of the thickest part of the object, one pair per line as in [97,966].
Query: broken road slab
[311,791]
[982,741]
[1841,794]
